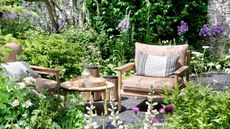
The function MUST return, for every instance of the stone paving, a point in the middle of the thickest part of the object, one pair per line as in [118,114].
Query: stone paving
[217,80]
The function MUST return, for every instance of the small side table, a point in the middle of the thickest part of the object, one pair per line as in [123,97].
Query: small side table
[68,87]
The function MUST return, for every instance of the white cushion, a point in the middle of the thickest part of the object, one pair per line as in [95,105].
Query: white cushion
[18,70]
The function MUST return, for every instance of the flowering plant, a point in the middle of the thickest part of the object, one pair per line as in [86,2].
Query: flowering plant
[182,29]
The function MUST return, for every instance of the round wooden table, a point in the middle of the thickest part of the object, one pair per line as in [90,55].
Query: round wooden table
[68,87]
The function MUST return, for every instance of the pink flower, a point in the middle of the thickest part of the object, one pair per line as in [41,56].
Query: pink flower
[161,110]
[169,108]
[154,121]
[135,110]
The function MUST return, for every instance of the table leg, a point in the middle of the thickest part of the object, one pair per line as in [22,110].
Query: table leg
[65,97]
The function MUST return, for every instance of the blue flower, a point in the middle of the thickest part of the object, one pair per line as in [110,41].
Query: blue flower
[182,28]
[205,31]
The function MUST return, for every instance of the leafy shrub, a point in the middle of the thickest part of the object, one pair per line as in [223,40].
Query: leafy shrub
[151,20]
[198,106]
[20,107]
[14,26]
[73,49]
[53,50]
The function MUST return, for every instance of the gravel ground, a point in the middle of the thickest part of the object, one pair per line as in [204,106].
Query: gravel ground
[217,80]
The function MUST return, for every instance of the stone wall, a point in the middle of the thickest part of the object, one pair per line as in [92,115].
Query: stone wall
[219,13]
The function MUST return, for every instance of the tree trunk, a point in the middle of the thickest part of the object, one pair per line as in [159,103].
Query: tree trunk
[52,13]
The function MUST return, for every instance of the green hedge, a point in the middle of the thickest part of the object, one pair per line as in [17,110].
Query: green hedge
[151,20]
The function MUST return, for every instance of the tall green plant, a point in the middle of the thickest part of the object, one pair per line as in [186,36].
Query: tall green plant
[152,20]
[200,107]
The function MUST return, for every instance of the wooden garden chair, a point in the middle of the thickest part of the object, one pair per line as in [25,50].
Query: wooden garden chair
[40,83]
[140,85]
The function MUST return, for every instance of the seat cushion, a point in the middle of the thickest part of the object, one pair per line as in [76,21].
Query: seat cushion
[48,84]
[144,83]
[167,50]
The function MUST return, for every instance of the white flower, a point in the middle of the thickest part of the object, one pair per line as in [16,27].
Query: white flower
[198,54]
[15,103]
[21,122]
[218,67]
[165,41]
[205,47]
[7,126]
[121,127]
[21,85]
[27,104]
[27,127]
[29,80]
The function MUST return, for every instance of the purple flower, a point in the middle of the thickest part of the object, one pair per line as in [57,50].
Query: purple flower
[135,110]
[216,30]
[122,24]
[125,23]
[169,108]
[205,31]
[182,28]
[154,121]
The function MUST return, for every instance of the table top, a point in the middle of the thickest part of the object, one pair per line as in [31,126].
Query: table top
[68,86]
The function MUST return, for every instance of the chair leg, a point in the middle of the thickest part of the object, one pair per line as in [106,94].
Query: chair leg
[119,103]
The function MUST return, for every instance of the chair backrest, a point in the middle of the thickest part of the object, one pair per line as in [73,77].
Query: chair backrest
[163,50]
[16,49]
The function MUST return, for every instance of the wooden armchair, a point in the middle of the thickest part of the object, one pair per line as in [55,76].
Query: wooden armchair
[50,85]
[139,85]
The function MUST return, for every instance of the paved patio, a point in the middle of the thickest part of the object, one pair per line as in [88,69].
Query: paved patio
[217,80]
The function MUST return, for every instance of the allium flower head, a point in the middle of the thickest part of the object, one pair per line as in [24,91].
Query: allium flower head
[182,28]
[217,30]
[205,31]
[169,108]
[154,121]
[135,110]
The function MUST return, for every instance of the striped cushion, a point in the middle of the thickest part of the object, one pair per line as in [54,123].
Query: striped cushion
[158,66]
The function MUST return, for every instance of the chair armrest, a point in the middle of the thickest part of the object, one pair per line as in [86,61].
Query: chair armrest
[181,71]
[48,71]
[126,67]
[44,70]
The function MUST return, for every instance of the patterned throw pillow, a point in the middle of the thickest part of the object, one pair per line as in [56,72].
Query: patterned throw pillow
[158,66]
[18,70]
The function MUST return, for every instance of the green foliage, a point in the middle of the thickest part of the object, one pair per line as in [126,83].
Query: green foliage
[151,20]
[10,5]
[73,49]
[14,27]
[53,50]
[20,108]
[198,106]
[73,117]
